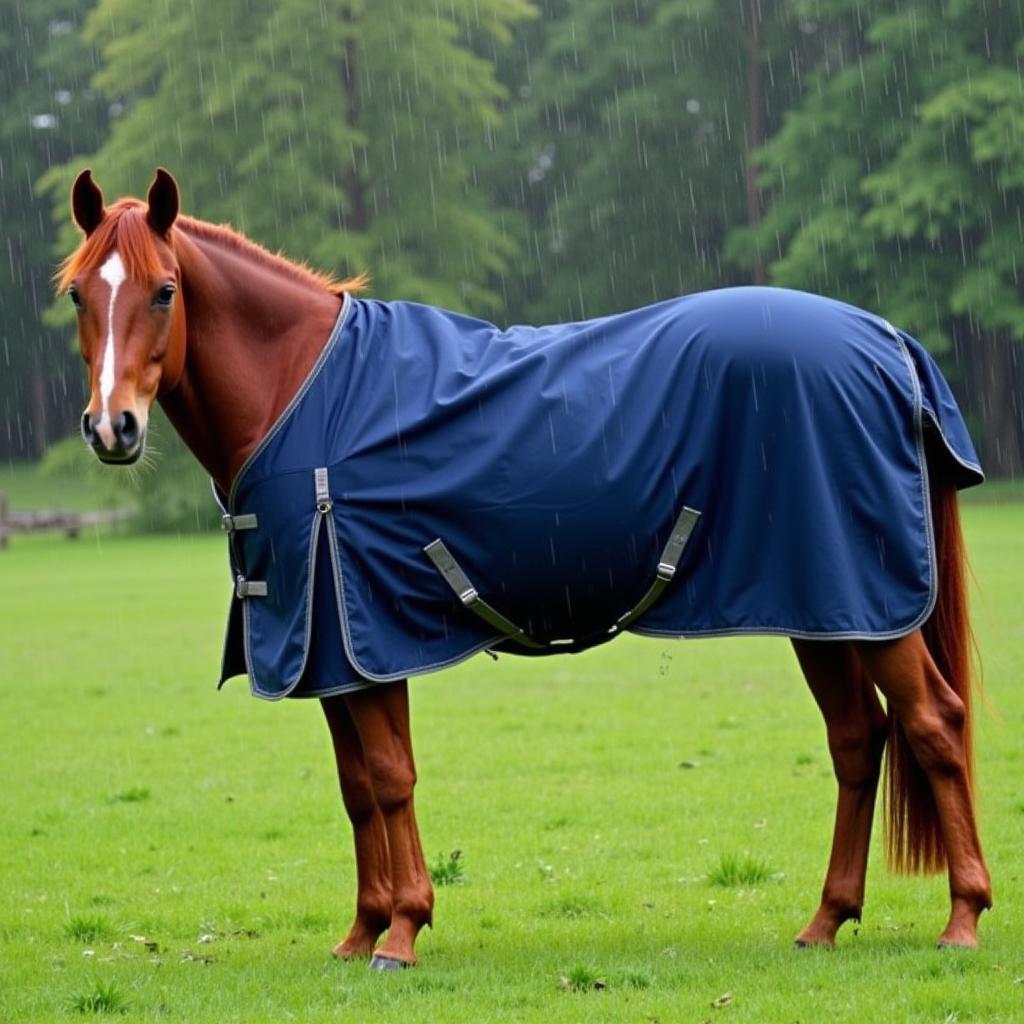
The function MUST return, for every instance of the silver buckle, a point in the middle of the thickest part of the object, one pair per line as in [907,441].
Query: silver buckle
[249,588]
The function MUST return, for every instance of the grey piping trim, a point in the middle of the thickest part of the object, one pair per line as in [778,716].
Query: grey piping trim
[373,677]
[972,466]
[332,339]
[334,691]
[314,536]
[216,495]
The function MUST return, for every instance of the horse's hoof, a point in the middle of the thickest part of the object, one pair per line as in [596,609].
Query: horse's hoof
[387,963]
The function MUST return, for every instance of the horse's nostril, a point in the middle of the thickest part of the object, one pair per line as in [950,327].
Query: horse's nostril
[126,429]
[88,429]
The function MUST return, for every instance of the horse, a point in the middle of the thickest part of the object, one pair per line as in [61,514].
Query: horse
[230,339]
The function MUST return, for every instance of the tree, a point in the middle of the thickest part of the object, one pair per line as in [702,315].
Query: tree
[896,183]
[334,129]
[630,148]
[49,111]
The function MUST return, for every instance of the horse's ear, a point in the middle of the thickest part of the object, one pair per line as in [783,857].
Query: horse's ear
[163,202]
[87,203]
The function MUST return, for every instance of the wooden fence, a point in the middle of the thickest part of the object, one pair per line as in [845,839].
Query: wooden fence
[69,523]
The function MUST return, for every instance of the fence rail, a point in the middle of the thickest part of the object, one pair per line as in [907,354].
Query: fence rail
[69,523]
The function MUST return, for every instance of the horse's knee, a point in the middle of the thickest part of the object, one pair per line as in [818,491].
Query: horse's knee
[394,780]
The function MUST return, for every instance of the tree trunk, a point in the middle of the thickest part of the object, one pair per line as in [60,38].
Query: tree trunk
[40,407]
[357,214]
[755,128]
[993,370]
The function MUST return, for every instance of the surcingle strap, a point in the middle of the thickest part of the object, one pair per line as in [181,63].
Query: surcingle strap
[667,565]
[456,578]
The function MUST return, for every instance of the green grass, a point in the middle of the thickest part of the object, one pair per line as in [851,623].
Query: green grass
[102,998]
[733,872]
[588,847]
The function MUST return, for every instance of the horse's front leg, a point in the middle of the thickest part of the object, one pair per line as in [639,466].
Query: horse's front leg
[373,862]
[381,717]
[857,726]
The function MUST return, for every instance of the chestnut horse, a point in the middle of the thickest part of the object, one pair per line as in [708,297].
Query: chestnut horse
[223,334]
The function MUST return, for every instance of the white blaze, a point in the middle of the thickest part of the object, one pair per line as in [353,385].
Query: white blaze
[113,273]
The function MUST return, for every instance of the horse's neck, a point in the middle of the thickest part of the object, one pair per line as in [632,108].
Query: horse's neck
[253,335]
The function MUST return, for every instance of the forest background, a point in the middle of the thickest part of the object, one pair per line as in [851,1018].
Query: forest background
[533,160]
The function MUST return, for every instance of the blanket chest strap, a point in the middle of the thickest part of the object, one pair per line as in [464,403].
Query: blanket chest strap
[245,521]
[250,588]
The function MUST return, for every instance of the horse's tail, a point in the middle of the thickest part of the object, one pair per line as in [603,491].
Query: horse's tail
[913,840]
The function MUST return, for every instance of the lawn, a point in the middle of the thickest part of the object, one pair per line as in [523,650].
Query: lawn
[171,853]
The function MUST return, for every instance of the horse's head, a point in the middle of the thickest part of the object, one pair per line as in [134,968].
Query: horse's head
[124,282]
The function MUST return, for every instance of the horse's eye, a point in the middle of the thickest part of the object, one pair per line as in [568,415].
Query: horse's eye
[75,297]
[164,296]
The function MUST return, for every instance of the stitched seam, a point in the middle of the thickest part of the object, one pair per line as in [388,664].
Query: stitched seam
[336,331]
[342,609]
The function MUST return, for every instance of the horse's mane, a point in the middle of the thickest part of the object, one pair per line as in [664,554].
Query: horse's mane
[125,228]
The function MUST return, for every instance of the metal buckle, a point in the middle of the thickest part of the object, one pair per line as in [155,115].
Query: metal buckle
[244,521]
[249,588]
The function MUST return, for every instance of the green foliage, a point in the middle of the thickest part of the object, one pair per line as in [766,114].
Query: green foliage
[87,928]
[337,131]
[448,869]
[582,978]
[896,183]
[104,997]
[732,871]
[131,795]
[631,142]
[48,113]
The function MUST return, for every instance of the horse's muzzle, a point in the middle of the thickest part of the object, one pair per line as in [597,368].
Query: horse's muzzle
[118,442]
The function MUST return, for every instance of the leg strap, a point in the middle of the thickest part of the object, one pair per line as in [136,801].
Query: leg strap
[454,576]
[667,565]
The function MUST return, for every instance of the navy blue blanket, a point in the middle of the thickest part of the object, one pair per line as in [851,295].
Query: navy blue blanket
[553,462]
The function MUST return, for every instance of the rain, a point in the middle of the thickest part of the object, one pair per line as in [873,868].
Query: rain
[539,162]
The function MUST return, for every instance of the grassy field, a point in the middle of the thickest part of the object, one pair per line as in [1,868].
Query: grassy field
[170,853]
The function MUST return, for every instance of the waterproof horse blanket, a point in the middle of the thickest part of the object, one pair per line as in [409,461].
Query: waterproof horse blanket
[750,460]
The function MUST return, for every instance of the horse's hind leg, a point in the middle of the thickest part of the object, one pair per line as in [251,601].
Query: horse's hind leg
[856,725]
[373,863]
[934,720]
[381,716]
